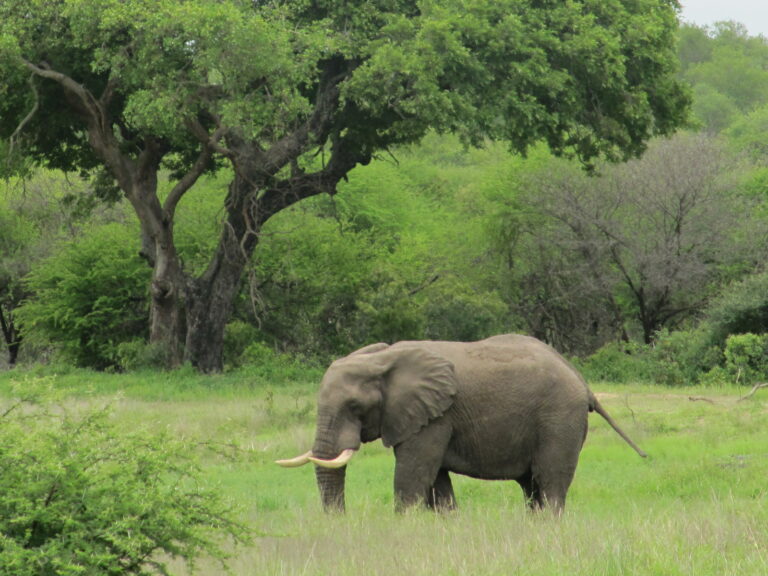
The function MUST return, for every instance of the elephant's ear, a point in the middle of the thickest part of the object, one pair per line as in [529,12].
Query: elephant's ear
[418,387]
[370,349]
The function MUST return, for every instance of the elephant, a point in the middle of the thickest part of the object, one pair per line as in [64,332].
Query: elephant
[505,408]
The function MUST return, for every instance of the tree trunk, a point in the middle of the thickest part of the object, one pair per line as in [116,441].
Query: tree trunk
[165,318]
[210,297]
[209,303]
[159,250]
[11,336]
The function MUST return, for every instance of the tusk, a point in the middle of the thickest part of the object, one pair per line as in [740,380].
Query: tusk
[295,462]
[338,462]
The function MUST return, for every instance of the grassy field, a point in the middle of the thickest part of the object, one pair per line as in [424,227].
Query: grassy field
[698,505]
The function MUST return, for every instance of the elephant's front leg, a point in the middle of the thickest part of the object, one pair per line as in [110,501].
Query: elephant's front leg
[441,497]
[418,462]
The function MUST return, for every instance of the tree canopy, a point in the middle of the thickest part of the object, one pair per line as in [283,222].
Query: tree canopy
[293,95]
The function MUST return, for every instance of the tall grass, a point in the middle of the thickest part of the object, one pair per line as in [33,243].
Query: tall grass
[697,506]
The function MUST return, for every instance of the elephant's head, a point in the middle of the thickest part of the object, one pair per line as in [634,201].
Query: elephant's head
[377,392]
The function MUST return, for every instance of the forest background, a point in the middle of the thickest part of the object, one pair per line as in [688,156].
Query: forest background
[650,270]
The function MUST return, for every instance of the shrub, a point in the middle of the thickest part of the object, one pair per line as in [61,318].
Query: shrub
[79,497]
[618,362]
[238,337]
[684,356]
[746,357]
[262,363]
[741,309]
[456,312]
[139,354]
[89,297]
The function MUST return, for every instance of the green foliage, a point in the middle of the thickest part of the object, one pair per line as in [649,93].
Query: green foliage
[741,308]
[676,358]
[684,357]
[137,354]
[746,357]
[263,365]
[618,362]
[89,297]
[728,70]
[747,133]
[401,252]
[81,495]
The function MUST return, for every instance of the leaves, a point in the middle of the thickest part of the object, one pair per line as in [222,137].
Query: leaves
[79,496]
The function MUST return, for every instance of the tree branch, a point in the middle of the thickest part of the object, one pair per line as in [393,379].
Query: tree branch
[316,129]
[284,193]
[755,388]
[212,141]
[96,116]
[26,119]
[90,104]
[189,179]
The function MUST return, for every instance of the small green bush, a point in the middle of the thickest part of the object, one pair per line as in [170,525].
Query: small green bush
[741,309]
[77,496]
[683,357]
[89,297]
[238,337]
[623,362]
[264,365]
[139,354]
[746,357]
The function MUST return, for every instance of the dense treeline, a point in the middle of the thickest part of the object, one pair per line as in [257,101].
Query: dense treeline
[651,269]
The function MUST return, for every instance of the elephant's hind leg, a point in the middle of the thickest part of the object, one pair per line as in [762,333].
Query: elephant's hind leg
[533,494]
[552,476]
[441,497]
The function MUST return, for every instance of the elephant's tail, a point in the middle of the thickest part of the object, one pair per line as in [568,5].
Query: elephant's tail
[595,406]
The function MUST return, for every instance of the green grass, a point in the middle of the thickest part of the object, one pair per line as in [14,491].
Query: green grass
[697,506]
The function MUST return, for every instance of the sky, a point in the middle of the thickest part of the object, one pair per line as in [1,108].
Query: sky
[752,13]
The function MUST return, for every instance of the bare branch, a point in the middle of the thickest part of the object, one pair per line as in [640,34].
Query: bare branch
[755,388]
[701,399]
[27,118]
[187,181]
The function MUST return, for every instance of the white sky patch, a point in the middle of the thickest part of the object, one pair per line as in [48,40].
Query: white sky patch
[752,13]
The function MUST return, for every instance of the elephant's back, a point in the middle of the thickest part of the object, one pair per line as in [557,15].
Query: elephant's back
[509,359]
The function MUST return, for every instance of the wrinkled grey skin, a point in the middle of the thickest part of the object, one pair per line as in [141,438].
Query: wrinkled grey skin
[505,408]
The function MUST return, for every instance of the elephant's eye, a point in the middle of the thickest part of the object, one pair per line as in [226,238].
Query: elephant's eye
[356,407]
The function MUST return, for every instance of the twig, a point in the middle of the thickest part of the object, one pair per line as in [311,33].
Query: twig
[755,388]
[632,412]
[700,399]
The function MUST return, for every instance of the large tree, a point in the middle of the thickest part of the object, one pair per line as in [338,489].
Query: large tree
[294,95]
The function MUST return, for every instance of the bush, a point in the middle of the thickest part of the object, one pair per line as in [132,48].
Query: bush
[746,357]
[89,297]
[263,364]
[139,354]
[238,337]
[79,497]
[619,362]
[741,309]
[684,356]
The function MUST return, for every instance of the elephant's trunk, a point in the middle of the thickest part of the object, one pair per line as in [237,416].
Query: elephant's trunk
[331,485]
[330,481]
